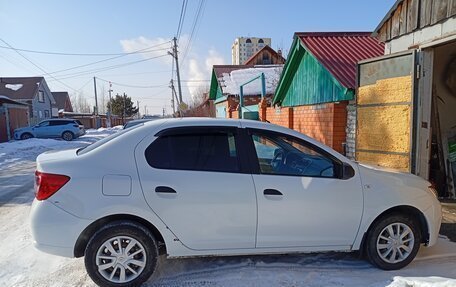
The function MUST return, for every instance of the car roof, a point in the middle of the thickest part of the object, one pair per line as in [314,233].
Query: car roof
[59,119]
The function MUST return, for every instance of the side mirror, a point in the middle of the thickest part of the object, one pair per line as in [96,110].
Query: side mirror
[347,171]
[36,126]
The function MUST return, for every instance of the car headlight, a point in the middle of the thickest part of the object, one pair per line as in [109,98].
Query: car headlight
[433,191]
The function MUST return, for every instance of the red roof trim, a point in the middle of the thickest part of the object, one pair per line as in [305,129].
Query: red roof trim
[339,52]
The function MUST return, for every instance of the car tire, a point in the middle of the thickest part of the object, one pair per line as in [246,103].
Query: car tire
[68,136]
[393,242]
[26,136]
[106,268]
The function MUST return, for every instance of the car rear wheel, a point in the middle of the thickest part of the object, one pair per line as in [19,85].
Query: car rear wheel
[393,242]
[26,136]
[68,136]
[121,253]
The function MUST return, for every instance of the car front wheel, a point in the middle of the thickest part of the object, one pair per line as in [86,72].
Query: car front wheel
[121,253]
[393,242]
[26,136]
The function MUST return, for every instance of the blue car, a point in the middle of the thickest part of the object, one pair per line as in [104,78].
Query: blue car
[67,129]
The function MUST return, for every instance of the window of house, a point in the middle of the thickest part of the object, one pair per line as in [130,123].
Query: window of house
[41,96]
[212,151]
[46,113]
[260,41]
[282,155]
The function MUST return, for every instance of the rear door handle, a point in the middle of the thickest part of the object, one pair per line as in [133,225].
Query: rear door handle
[164,189]
[270,191]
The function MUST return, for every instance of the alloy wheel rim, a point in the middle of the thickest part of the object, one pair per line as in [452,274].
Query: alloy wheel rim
[67,136]
[395,243]
[121,259]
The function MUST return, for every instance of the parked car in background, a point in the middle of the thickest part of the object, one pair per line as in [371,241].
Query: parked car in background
[211,187]
[67,129]
[133,123]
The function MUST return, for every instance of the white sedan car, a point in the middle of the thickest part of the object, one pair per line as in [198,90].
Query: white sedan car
[216,187]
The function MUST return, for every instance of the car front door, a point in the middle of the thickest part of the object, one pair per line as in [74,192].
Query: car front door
[196,181]
[302,200]
[42,130]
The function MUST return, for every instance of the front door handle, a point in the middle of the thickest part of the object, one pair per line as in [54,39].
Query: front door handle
[270,191]
[164,189]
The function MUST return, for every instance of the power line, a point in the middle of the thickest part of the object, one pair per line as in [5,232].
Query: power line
[112,58]
[72,54]
[37,66]
[133,86]
[181,18]
[195,23]
[76,74]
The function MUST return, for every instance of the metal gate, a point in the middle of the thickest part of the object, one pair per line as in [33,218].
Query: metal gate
[385,111]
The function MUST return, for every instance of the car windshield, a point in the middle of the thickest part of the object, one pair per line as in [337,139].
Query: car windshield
[101,142]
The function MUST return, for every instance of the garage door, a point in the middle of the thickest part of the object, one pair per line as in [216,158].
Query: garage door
[385,111]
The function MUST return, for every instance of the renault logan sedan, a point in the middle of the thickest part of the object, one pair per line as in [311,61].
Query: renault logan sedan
[214,187]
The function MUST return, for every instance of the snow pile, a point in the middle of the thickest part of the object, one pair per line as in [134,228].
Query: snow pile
[15,152]
[14,87]
[432,281]
[231,82]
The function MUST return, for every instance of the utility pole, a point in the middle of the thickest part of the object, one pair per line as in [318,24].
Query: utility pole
[145,110]
[137,106]
[124,107]
[173,93]
[175,56]
[95,90]
[109,120]
[163,112]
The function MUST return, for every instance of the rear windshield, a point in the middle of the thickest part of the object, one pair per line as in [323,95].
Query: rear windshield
[79,122]
[101,142]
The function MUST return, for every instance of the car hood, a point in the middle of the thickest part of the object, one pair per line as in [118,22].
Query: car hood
[22,129]
[376,176]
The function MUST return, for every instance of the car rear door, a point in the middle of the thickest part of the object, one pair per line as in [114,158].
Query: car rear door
[197,182]
[302,202]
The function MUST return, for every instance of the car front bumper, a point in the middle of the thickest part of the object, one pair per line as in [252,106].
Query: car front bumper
[54,230]
[433,216]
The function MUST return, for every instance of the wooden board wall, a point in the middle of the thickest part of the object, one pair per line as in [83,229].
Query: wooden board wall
[411,15]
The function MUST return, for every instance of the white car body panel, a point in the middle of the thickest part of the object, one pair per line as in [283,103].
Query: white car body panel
[307,212]
[81,201]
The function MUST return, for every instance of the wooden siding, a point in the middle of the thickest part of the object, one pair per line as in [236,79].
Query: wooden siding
[313,84]
[412,15]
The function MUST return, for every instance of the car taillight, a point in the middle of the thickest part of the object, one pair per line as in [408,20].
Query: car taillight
[47,184]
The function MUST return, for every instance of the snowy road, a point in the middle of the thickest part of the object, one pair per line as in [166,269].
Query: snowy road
[22,265]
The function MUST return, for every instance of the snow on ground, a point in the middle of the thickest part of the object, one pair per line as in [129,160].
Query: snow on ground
[26,150]
[22,265]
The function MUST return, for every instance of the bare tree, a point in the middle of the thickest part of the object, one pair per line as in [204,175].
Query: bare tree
[80,104]
[201,94]
[103,103]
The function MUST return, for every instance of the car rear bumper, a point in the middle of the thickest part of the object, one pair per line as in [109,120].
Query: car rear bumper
[54,230]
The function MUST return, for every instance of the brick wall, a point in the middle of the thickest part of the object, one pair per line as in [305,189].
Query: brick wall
[324,122]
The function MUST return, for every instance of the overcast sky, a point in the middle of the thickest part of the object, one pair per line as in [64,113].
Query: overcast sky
[115,27]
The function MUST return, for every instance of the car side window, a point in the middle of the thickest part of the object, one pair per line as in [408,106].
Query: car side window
[282,155]
[44,124]
[56,123]
[211,151]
